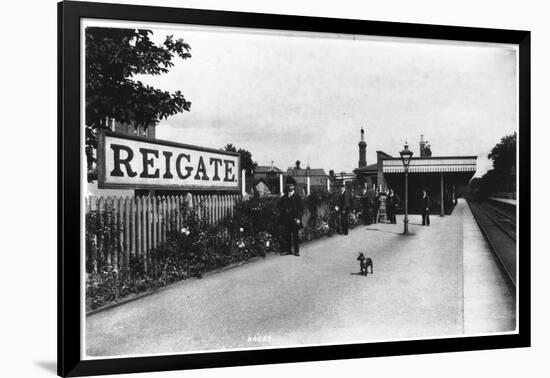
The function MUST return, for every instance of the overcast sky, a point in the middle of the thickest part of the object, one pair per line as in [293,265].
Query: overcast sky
[299,96]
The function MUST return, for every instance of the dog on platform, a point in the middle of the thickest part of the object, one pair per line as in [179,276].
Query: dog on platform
[364,264]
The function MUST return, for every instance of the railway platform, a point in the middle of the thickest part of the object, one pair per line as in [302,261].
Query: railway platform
[489,300]
[441,281]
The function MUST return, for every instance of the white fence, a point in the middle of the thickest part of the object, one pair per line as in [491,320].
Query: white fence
[126,226]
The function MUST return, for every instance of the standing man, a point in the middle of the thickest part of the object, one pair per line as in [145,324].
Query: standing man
[376,206]
[425,203]
[366,206]
[343,207]
[290,218]
[391,206]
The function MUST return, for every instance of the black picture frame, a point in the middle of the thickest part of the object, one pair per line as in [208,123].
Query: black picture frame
[69,170]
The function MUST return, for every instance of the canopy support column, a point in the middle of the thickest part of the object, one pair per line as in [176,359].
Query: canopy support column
[442,213]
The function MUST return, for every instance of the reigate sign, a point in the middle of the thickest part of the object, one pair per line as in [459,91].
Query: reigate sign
[130,162]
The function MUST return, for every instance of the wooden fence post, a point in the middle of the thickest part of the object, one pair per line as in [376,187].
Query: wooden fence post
[100,237]
[114,227]
[127,246]
[155,226]
[138,227]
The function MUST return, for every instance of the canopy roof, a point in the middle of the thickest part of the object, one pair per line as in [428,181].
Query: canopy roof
[432,164]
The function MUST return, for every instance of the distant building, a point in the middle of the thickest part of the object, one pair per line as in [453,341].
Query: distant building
[343,178]
[317,179]
[371,175]
[263,189]
[128,129]
[266,179]
[266,170]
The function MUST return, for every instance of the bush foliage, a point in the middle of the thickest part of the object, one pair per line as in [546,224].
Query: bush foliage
[251,231]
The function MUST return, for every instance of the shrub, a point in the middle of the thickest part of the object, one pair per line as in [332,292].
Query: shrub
[101,238]
[252,230]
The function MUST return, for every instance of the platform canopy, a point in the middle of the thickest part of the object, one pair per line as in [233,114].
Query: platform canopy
[435,164]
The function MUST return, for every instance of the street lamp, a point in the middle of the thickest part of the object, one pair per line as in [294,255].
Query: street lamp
[406,156]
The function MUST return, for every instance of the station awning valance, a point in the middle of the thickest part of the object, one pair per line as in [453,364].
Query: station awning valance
[431,165]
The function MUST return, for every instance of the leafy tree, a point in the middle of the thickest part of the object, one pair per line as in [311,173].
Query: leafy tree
[113,57]
[230,148]
[503,155]
[485,185]
[246,158]
[503,175]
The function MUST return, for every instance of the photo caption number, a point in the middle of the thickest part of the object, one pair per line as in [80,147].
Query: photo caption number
[259,339]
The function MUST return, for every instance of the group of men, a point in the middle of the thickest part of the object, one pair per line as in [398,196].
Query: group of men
[291,211]
[370,205]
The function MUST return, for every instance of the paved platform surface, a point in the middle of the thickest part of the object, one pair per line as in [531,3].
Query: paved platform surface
[440,281]
[489,304]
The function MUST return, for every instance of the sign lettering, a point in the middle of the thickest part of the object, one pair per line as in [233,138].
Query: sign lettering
[138,163]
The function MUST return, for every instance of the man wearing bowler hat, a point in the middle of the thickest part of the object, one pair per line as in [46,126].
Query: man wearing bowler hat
[343,208]
[425,201]
[290,218]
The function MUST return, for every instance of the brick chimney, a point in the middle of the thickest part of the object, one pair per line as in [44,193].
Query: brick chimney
[362,150]
[422,146]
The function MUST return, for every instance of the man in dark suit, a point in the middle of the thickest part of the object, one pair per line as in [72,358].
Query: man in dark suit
[392,202]
[376,206]
[290,217]
[425,203]
[366,206]
[343,206]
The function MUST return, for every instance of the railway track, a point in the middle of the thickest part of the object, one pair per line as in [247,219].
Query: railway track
[506,221]
[499,228]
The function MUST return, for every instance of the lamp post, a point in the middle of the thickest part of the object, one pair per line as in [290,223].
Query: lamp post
[406,156]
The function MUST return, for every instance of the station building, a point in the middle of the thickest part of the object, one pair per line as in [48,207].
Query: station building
[445,178]
[130,129]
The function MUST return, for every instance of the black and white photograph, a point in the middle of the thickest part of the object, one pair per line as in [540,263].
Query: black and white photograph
[276,188]
[251,188]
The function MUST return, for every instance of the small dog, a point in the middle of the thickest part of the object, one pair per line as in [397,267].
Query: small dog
[364,263]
